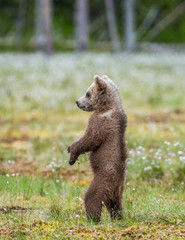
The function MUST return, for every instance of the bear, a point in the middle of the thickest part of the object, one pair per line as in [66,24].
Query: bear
[104,138]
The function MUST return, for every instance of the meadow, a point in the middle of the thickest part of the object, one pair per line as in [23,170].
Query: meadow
[41,195]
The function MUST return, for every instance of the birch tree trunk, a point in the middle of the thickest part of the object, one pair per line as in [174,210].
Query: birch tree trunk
[43,26]
[39,26]
[111,20]
[47,14]
[20,22]
[178,11]
[130,35]
[81,25]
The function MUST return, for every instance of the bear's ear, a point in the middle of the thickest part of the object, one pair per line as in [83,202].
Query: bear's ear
[100,83]
[105,77]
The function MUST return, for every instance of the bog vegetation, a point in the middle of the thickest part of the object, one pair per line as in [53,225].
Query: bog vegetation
[41,196]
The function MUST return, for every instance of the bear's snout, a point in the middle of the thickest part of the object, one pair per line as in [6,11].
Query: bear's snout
[79,105]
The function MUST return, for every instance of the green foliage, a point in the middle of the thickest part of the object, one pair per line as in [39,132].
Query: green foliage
[7,155]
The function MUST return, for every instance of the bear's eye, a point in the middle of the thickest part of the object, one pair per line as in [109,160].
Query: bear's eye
[88,95]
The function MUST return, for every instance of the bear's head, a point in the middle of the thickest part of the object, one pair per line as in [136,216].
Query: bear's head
[101,96]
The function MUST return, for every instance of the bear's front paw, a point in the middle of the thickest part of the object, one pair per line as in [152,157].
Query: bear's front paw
[68,149]
[72,160]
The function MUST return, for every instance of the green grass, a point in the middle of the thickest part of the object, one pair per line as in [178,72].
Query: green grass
[41,196]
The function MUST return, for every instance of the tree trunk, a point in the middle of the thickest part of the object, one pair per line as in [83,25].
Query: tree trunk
[47,9]
[130,35]
[39,29]
[20,23]
[111,20]
[43,26]
[81,24]
[164,23]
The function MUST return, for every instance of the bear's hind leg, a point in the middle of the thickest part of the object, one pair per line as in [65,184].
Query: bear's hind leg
[116,209]
[94,200]
[93,212]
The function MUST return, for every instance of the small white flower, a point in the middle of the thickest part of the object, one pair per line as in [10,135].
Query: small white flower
[176,144]
[133,189]
[77,216]
[179,152]
[182,159]
[147,168]
[7,175]
[80,199]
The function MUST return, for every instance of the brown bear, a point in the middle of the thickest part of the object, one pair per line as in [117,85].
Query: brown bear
[104,138]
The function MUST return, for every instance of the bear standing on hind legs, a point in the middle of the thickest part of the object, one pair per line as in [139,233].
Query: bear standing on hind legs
[104,138]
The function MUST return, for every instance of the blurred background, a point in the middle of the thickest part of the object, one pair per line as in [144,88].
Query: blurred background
[138,44]
[80,25]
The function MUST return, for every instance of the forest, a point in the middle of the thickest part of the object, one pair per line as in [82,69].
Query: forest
[154,22]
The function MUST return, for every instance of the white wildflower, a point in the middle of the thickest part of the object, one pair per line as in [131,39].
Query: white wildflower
[147,168]
[80,199]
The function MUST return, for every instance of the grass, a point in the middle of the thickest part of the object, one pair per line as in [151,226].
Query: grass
[41,196]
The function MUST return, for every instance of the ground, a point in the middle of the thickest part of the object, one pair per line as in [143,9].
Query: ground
[41,196]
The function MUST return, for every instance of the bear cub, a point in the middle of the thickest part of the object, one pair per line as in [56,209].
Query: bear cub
[104,138]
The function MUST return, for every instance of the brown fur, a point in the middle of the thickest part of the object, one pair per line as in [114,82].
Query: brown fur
[105,140]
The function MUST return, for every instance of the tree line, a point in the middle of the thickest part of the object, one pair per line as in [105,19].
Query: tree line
[89,24]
